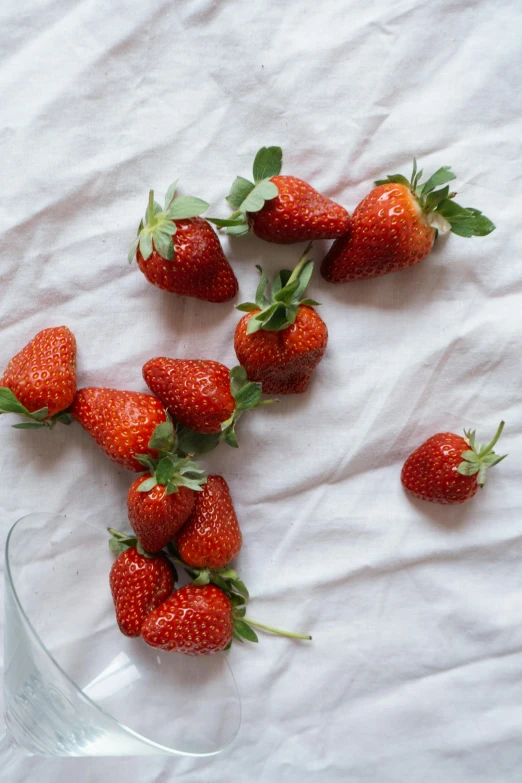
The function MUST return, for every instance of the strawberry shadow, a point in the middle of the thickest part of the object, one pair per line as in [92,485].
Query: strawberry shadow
[445,517]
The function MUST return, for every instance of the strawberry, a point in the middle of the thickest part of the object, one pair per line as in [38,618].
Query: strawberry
[179,252]
[121,422]
[39,383]
[159,502]
[279,208]
[395,226]
[203,395]
[139,584]
[211,537]
[200,621]
[448,468]
[281,339]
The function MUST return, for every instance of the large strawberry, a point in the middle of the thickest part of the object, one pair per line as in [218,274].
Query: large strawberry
[179,252]
[121,422]
[159,502]
[139,583]
[202,394]
[395,226]
[201,621]
[211,537]
[448,468]
[39,383]
[280,208]
[281,339]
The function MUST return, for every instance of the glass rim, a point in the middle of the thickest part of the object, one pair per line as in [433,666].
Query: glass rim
[165,750]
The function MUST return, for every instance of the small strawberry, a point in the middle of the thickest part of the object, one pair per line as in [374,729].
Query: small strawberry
[279,208]
[448,468]
[281,339]
[211,537]
[161,501]
[179,252]
[39,383]
[139,583]
[121,422]
[395,226]
[200,621]
[202,394]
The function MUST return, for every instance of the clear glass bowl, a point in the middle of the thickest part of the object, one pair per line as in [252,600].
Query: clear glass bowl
[73,684]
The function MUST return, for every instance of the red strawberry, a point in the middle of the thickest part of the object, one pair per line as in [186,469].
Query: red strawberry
[180,253]
[201,621]
[139,584]
[202,394]
[448,468]
[193,621]
[282,209]
[395,226]
[211,537]
[40,381]
[121,422]
[161,501]
[282,339]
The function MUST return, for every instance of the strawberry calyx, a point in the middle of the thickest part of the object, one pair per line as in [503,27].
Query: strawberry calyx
[159,226]
[278,307]
[246,196]
[36,419]
[247,395]
[169,469]
[479,459]
[119,542]
[225,578]
[440,211]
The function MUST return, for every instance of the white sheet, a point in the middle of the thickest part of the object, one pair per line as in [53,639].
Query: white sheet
[415,670]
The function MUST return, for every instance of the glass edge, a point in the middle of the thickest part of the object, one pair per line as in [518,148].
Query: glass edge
[163,748]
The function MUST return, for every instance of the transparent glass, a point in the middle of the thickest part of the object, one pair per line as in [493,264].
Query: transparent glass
[73,684]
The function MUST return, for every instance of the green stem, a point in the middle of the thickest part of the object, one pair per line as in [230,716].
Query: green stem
[277,631]
[491,446]
[117,533]
[150,207]
[235,214]
[302,261]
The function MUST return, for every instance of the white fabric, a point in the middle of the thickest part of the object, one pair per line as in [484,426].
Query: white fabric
[415,669]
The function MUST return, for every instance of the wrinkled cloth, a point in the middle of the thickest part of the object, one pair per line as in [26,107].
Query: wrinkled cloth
[415,669]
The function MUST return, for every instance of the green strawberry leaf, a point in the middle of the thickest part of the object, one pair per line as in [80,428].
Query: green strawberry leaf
[397,178]
[244,630]
[267,163]
[163,245]
[287,293]
[147,484]
[236,600]
[186,207]
[63,417]
[229,437]
[310,302]
[28,425]
[169,195]
[262,192]
[9,403]
[247,307]
[441,176]
[238,231]
[261,300]
[240,587]
[238,379]
[434,198]
[146,245]
[248,396]
[240,190]
[163,437]
[236,636]
[224,222]
[132,250]
[191,442]
[281,281]
[277,321]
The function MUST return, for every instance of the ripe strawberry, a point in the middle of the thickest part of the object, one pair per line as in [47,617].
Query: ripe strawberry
[121,422]
[281,339]
[139,584]
[279,208]
[179,252]
[211,537]
[39,383]
[395,226]
[200,621]
[448,468]
[202,394]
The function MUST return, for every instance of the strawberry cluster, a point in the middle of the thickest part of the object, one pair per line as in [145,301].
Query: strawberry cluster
[179,515]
